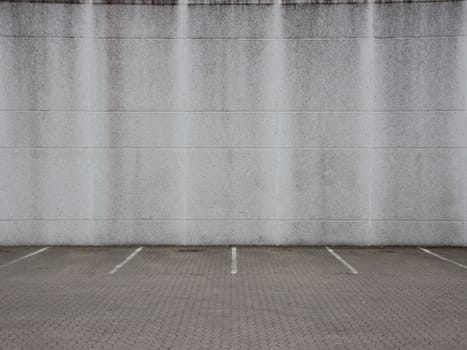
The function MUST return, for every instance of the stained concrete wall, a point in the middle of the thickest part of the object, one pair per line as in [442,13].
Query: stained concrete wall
[233,124]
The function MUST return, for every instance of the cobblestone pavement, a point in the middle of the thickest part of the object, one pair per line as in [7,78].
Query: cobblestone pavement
[187,298]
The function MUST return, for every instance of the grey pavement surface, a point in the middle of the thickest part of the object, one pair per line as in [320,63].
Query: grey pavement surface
[187,298]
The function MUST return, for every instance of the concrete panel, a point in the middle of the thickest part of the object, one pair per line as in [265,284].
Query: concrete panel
[33,75]
[88,129]
[39,184]
[323,184]
[417,185]
[138,184]
[230,75]
[277,232]
[91,232]
[91,184]
[62,74]
[230,232]
[250,232]
[331,21]
[420,74]
[419,19]
[230,184]
[324,129]
[321,75]
[68,20]
[323,232]
[230,129]
[419,129]
[436,233]
[241,21]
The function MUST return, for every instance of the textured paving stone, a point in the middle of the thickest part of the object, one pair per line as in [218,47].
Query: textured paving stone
[186,298]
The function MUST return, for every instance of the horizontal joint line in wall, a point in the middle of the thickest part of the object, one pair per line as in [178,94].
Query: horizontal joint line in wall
[223,220]
[237,38]
[233,111]
[235,148]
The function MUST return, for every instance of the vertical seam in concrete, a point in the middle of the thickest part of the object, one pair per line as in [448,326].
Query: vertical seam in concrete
[182,61]
[464,180]
[464,163]
[276,61]
[185,116]
[370,181]
[184,177]
[464,153]
[371,77]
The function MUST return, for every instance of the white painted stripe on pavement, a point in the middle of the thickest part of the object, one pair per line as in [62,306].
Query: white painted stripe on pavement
[234,269]
[24,257]
[345,263]
[442,258]
[128,258]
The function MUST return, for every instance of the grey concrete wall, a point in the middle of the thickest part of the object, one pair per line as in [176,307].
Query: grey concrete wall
[258,124]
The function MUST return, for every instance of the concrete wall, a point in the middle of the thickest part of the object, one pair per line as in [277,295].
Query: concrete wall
[233,124]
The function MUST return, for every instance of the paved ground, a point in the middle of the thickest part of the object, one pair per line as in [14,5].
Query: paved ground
[188,298]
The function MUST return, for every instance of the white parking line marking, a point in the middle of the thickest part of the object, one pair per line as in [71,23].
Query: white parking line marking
[234,261]
[345,263]
[442,258]
[128,258]
[24,257]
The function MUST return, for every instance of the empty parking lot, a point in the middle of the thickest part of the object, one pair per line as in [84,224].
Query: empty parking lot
[232,298]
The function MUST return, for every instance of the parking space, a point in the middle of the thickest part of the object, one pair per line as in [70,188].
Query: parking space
[66,263]
[457,254]
[405,263]
[188,298]
[179,261]
[8,254]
